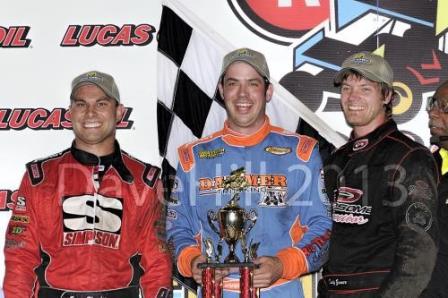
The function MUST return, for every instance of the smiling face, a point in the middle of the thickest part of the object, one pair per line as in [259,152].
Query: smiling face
[94,117]
[363,104]
[245,96]
[438,114]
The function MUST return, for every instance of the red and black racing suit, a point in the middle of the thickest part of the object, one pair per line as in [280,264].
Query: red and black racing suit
[85,226]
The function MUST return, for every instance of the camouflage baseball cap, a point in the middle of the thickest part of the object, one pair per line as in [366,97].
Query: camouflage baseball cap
[371,66]
[103,80]
[254,58]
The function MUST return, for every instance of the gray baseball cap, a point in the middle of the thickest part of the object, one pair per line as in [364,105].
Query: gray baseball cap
[103,80]
[254,58]
[371,66]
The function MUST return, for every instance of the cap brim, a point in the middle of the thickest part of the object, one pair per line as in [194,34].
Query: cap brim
[340,75]
[85,83]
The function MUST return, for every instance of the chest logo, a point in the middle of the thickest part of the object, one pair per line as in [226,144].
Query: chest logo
[360,144]
[278,150]
[92,220]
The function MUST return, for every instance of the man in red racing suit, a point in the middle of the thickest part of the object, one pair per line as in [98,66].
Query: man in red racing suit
[85,223]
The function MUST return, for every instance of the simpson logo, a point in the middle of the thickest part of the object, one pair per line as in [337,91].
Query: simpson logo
[43,119]
[87,222]
[211,153]
[14,37]
[21,204]
[278,150]
[108,35]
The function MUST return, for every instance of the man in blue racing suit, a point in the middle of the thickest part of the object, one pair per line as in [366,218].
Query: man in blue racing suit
[285,188]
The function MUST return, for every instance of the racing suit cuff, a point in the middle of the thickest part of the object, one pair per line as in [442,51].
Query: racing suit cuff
[185,258]
[294,262]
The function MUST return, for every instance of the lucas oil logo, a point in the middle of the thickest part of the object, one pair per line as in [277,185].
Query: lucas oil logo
[14,37]
[108,35]
[92,220]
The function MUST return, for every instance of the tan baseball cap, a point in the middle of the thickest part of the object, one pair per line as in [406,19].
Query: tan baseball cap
[371,66]
[254,58]
[103,80]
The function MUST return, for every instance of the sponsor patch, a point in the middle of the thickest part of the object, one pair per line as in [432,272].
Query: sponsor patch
[274,198]
[420,215]
[420,189]
[360,144]
[85,226]
[171,214]
[211,153]
[9,243]
[16,229]
[20,218]
[349,195]
[90,237]
[351,213]
[278,150]
[20,204]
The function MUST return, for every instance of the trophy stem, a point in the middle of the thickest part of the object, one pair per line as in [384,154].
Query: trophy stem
[231,258]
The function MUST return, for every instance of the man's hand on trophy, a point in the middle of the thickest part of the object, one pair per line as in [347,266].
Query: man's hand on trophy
[269,270]
[197,273]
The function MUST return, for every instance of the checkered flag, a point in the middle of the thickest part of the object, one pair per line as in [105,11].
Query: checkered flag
[189,105]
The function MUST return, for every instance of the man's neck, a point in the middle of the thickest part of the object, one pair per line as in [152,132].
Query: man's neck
[98,150]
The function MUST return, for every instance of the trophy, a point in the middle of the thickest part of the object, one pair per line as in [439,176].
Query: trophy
[233,225]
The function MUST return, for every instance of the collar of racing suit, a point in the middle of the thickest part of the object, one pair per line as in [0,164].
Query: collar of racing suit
[90,159]
[368,141]
[234,138]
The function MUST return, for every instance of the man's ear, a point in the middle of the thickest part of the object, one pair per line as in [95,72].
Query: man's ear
[388,97]
[119,112]
[269,92]
[221,90]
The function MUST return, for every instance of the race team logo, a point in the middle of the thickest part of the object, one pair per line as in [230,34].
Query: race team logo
[344,209]
[272,188]
[43,119]
[14,37]
[92,220]
[280,21]
[108,35]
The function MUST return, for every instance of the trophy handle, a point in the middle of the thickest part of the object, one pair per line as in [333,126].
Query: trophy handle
[252,218]
[211,217]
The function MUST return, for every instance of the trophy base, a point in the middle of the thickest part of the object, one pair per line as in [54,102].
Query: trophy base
[227,265]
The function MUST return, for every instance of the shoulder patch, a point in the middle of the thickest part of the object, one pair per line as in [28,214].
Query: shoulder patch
[186,157]
[151,174]
[34,168]
[305,147]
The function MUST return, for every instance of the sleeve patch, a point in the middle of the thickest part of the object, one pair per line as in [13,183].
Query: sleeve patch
[186,158]
[150,175]
[35,172]
[420,215]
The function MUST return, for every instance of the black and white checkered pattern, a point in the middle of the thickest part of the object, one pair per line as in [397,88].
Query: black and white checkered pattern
[189,105]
